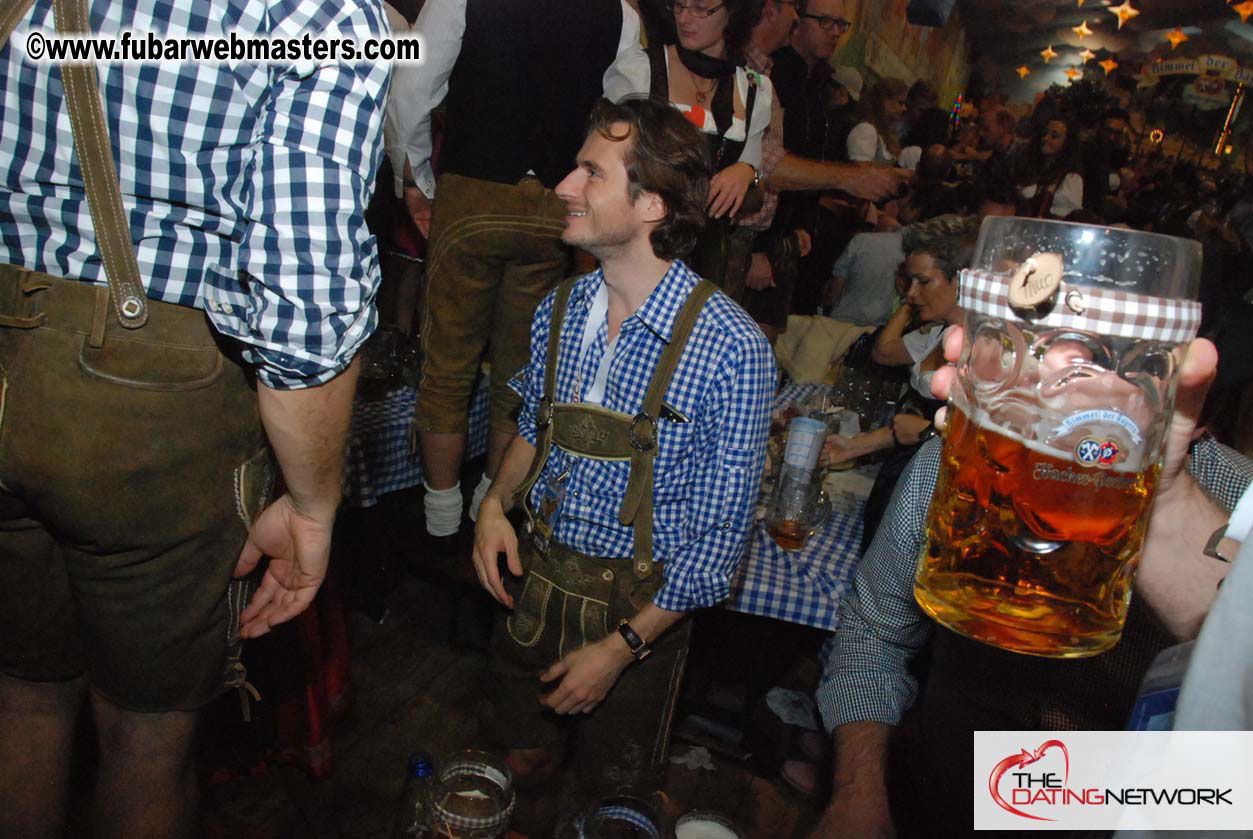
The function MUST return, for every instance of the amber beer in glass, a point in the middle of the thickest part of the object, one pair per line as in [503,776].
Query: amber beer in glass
[1056,433]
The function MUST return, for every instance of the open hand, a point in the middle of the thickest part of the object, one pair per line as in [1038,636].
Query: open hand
[299,548]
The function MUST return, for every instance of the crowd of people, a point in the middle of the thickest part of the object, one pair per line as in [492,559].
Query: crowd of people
[181,317]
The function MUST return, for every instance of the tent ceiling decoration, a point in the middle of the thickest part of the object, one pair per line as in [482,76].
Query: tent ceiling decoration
[1176,38]
[1048,53]
[1124,13]
[1109,65]
[1007,34]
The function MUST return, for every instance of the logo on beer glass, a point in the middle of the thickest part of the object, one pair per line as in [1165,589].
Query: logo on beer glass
[1099,453]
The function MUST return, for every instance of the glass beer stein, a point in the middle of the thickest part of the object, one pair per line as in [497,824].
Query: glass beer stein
[1056,432]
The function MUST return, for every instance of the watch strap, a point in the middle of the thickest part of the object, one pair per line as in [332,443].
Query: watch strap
[638,646]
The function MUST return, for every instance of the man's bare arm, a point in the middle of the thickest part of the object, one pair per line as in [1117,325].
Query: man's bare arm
[859,800]
[493,534]
[307,430]
[874,183]
[588,673]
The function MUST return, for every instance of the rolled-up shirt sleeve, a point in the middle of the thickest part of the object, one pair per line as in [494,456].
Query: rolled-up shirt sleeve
[881,628]
[303,300]
[731,448]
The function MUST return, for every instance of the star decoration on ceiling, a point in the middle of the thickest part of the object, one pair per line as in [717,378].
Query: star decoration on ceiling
[1081,30]
[1048,53]
[1023,71]
[1176,38]
[1073,73]
[1087,55]
[1125,12]
[1244,10]
[1109,65]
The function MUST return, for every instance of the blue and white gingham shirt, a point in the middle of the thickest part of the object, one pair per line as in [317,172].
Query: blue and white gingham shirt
[245,185]
[708,467]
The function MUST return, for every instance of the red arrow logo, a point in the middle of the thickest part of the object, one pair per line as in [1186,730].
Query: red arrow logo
[1024,758]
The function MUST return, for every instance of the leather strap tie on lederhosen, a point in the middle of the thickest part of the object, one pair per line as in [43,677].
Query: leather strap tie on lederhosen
[589,430]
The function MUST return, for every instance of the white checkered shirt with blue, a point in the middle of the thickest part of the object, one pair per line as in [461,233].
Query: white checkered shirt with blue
[245,185]
[712,438]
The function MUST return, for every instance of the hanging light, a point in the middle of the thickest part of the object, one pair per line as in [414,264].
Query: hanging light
[1082,29]
[1048,53]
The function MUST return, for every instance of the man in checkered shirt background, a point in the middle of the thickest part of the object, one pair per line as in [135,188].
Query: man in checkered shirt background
[136,463]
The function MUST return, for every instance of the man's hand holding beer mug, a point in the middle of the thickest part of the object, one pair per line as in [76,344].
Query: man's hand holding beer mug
[1177,580]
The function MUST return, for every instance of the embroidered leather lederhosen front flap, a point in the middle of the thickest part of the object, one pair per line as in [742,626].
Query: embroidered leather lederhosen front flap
[594,431]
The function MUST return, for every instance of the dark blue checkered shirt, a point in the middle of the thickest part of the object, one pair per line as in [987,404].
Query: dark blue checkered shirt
[711,443]
[245,185]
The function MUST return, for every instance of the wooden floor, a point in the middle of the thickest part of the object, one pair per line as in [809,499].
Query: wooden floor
[415,688]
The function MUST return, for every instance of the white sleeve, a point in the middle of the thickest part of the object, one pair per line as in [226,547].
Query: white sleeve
[760,119]
[1069,196]
[920,343]
[418,89]
[863,142]
[629,73]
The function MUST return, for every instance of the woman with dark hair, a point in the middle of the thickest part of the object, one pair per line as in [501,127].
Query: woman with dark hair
[873,139]
[697,66]
[1049,180]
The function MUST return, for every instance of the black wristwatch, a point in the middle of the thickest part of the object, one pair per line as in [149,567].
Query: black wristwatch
[926,434]
[638,647]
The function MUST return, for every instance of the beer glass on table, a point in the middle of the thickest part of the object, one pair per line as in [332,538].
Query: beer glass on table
[1056,432]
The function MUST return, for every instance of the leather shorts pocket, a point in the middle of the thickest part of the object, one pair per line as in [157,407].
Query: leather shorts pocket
[151,365]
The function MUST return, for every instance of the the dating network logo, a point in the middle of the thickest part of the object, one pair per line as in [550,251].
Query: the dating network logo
[1135,780]
[1043,782]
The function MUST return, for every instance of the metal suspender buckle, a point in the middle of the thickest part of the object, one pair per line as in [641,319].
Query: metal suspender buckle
[643,440]
[544,413]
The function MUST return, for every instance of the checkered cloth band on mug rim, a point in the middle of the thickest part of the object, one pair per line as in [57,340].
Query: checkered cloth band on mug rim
[1103,311]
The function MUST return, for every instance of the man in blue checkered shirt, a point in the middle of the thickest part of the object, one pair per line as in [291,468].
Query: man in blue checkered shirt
[643,491]
[136,463]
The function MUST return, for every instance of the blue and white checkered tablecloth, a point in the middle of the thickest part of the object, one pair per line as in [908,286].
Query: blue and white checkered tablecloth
[800,586]
[380,458]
